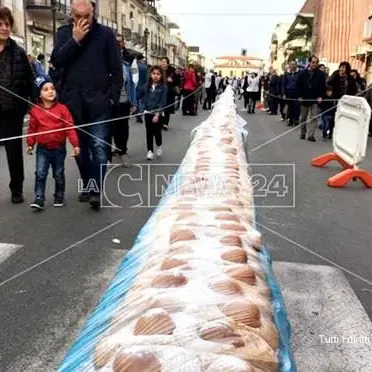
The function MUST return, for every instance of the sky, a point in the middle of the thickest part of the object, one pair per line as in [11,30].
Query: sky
[224,27]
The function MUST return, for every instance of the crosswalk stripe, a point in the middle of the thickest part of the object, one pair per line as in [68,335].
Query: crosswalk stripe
[329,324]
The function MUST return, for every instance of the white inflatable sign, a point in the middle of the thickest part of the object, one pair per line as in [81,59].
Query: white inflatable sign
[350,134]
[350,137]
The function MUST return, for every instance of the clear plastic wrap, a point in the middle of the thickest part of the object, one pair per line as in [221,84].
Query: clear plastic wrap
[195,293]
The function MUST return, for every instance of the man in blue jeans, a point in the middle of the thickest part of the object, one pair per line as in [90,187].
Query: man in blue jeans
[91,83]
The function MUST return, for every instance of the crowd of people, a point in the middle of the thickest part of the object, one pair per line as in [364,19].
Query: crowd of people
[93,83]
[305,96]
[309,96]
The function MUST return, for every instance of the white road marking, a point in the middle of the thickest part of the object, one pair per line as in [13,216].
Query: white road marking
[6,250]
[331,331]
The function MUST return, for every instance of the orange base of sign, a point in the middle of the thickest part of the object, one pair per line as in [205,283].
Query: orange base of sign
[343,178]
[348,174]
[323,160]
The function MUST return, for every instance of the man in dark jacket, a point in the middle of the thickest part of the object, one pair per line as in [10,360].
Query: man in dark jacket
[311,85]
[282,103]
[142,80]
[178,83]
[170,76]
[91,85]
[16,82]
[290,93]
[125,53]
[274,92]
[265,87]
[245,92]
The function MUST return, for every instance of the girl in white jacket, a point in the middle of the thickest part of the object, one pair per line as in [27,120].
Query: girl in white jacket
[253,92]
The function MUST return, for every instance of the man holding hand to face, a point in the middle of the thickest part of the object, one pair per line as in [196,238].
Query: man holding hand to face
[92,79]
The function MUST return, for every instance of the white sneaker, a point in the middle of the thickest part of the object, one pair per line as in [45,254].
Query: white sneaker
[150,155]
[159,151]
[125,161]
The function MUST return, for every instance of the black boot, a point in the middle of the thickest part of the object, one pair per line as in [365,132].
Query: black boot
[17,197]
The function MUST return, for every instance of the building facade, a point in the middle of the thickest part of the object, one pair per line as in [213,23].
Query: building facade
[362,55]
[238,66]
[346,23]
[195,56]
[278,51]
[300,41]
[177,48]
[341,32]
[145,31]
[39,25]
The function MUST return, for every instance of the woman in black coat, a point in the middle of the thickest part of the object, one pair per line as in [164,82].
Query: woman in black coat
[342,82]
[16,82]
[360,82]
[171,80]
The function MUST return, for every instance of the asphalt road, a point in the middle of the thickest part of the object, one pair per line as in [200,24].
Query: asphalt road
[42,309]
[324,226]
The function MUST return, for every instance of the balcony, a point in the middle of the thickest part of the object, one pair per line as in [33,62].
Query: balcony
[298,43]
[172,41]
[44,8]
[361,50]
[150,8]
[172,24]
[367,34]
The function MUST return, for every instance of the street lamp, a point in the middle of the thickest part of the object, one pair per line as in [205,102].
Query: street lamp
[146,34]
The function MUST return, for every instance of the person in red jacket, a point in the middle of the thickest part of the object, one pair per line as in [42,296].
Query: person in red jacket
[50,124]
[190,84]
